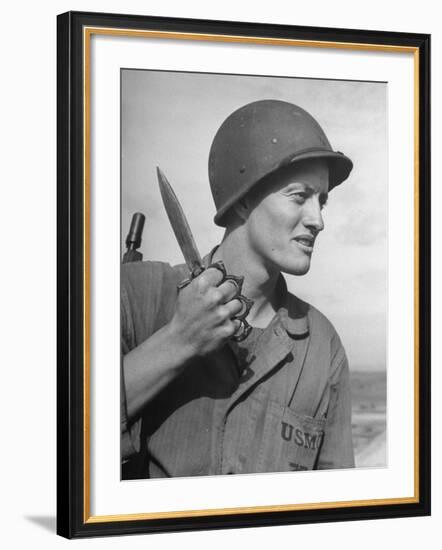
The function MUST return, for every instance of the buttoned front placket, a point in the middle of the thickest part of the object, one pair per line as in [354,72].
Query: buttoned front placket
[243,414]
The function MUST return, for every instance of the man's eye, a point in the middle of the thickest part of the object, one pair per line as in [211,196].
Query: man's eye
[324,204]
[300,196]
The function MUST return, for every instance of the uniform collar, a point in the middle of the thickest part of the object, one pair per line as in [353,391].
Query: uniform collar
[291,315]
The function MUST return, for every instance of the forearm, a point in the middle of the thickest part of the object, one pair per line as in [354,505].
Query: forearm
[149,367]
[202,322]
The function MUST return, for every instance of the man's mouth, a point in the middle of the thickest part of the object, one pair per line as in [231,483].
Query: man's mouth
[306,242]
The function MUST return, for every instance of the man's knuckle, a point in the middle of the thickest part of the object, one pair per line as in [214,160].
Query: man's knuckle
[235,306]
[214,274]
[228,291]
[214,296]
[222,313]
[230,329]
[224,332]
[201,283]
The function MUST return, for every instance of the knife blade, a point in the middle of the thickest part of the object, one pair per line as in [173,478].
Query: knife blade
[180,226]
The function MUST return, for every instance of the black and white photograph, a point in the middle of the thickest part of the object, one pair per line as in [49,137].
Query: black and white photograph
[243,270]
[221,329]
[253,274]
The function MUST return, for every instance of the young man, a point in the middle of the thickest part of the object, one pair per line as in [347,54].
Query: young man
[194,400]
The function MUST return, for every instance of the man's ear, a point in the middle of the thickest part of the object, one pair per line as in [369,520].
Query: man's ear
[242,208]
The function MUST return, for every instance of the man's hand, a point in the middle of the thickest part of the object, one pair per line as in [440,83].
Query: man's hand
[203,319]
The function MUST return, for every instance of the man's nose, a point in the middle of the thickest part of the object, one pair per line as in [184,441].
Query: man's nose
[313,215]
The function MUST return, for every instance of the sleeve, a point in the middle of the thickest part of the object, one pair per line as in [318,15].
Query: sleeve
[337,447]
[148,295]
[130,434]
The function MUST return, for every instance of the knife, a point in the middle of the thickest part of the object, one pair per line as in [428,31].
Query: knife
[192,257]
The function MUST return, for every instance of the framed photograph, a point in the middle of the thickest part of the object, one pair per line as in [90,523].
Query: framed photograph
[243,274]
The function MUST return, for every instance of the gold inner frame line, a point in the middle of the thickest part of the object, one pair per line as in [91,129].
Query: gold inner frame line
[87,33]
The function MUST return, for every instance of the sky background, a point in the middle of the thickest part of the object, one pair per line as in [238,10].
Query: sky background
[169,119]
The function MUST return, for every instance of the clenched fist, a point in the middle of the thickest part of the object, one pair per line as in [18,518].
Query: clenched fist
[204,314]
[203,321]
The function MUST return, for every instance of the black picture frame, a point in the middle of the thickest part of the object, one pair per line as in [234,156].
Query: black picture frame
[73,519]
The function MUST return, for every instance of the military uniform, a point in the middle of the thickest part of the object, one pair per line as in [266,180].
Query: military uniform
[279,401]
[286,406]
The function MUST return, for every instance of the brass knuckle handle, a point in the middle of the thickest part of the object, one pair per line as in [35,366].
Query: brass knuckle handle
[243,331]
[194,274]
[183,284]
[219,265]
[196,271]
[245,309]
[236,281]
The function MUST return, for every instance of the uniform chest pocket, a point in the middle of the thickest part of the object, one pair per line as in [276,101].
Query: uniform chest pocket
[290,440]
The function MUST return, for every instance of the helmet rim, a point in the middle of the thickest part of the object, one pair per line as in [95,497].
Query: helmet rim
[339,166]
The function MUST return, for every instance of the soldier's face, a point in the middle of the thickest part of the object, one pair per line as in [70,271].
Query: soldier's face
[285,216]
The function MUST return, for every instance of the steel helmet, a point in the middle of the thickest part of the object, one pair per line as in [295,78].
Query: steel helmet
[259,139]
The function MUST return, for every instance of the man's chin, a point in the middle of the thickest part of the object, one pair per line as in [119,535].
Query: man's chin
[298,269]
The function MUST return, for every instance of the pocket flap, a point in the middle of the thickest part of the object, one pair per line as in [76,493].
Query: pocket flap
[290,440]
